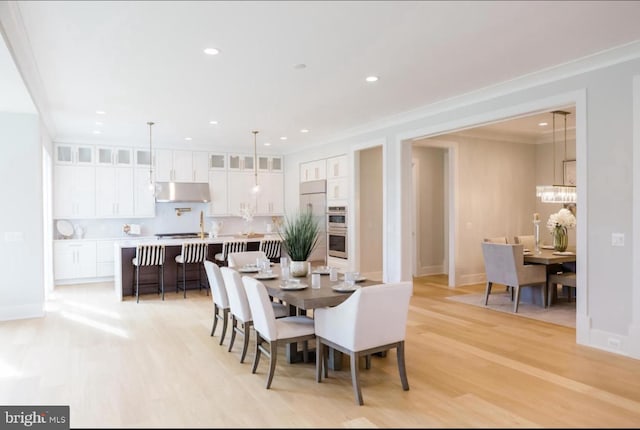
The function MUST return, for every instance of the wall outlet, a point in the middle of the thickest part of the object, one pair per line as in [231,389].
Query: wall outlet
[613,343]
[617,239]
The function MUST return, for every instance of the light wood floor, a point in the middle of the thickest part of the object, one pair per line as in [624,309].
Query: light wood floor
[153,364]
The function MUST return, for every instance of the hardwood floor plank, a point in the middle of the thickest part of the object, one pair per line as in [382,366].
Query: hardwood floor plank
[154,364]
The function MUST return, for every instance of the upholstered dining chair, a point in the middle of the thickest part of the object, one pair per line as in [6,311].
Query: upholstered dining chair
[272,248]
[239,259]
[529,241]
[191,253]
[219,296]
[372,320]
[497,239]
[504,264]
[270,330]
[149,255]
[240,310]
[229,246]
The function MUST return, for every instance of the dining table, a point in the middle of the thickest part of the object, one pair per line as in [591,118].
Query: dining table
[552,259]
[305,299]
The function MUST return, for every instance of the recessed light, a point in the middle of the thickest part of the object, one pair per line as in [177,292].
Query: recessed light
[300,66]
[371,78]
[213,122]
[187,138]
[283,137]
[542,124]
[304,130]
[211,51]
[98,123]
[100,112]
[96,131]
[267,144]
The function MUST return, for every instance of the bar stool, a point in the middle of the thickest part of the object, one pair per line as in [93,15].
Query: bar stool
[149,255]
[272,248]
[229,246]
[191,253]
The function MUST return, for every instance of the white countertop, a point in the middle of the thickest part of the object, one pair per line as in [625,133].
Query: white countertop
[133,242]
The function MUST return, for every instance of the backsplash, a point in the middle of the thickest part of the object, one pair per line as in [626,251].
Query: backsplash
[167,221]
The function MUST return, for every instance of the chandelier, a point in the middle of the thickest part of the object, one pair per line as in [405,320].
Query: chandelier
[557,193]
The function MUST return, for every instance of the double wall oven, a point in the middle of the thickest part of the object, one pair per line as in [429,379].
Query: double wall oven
[337,232]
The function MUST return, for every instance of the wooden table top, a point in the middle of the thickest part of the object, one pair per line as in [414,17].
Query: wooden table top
[548,257]
[309,298]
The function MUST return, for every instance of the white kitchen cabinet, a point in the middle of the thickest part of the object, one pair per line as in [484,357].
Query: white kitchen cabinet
[240,162]
[144,201]
[74,154]
[270,163]
[270,199]
[218,205]
[217,161]
[114,191]
[181,166]
[142,158]
[74,192]
[337,191]
[313,170]
[74,259]
[105,258]
[337,167]
[107,156]
[240,194]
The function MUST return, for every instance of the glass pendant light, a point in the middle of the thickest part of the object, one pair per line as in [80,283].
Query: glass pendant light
[557,193]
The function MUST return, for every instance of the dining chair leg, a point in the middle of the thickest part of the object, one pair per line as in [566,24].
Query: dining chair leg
[319,359]
[234,327]
[355,377]
[246,328]
[216,312]
[487,291]
[273,356]
[256,357]
[516,300]
[367,361]
[402,368]
[225,319]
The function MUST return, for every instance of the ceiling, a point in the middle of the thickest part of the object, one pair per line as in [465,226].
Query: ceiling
[144,61]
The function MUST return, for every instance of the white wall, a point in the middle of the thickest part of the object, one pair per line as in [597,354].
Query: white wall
[21,235]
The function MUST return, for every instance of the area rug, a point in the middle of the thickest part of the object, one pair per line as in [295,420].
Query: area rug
[561,312]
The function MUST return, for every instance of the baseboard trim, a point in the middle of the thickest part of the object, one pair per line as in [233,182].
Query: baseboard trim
[34,310]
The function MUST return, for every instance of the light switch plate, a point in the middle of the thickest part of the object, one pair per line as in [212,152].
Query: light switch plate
[617,239]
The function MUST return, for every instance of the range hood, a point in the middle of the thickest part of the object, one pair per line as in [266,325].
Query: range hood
[169,192]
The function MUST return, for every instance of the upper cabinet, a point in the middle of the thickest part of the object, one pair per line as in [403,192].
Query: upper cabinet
[74,154]
[270,163]
[240,162]
[181,166]
[142,158]
[107,156]
[217,161]
[313,170]
[74,191]
[337,167]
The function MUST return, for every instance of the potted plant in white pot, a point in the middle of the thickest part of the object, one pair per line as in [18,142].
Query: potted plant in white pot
[299,236]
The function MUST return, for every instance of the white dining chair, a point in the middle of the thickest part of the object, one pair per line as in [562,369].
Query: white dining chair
[372,320]
[241,318]
[219,296]
[240,259]
[504,264]
[270,330]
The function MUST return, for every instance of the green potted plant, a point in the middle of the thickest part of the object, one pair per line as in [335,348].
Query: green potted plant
[299,236]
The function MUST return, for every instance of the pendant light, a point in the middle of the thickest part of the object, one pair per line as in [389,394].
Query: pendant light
[557,193]
[256,187]
[152,186]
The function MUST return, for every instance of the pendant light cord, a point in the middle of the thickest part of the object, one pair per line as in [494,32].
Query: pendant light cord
[255,159]
[150,155]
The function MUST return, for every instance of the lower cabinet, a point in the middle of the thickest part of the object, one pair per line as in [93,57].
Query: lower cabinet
[105,258]
[74,259]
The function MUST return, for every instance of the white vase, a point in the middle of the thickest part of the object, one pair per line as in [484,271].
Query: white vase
[299,268]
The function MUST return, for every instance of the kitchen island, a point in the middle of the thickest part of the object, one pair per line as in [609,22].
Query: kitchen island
[125,251]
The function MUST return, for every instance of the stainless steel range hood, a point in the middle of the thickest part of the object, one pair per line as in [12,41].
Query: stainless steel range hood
[169,192]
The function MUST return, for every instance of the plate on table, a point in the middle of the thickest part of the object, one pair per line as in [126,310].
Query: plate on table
[248,269]
[265,276]
[528,253]
[342,288]
[358,279]
[292,286]
[563,253]
[547,247]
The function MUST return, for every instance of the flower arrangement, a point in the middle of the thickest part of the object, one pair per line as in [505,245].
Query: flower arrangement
[563,218]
